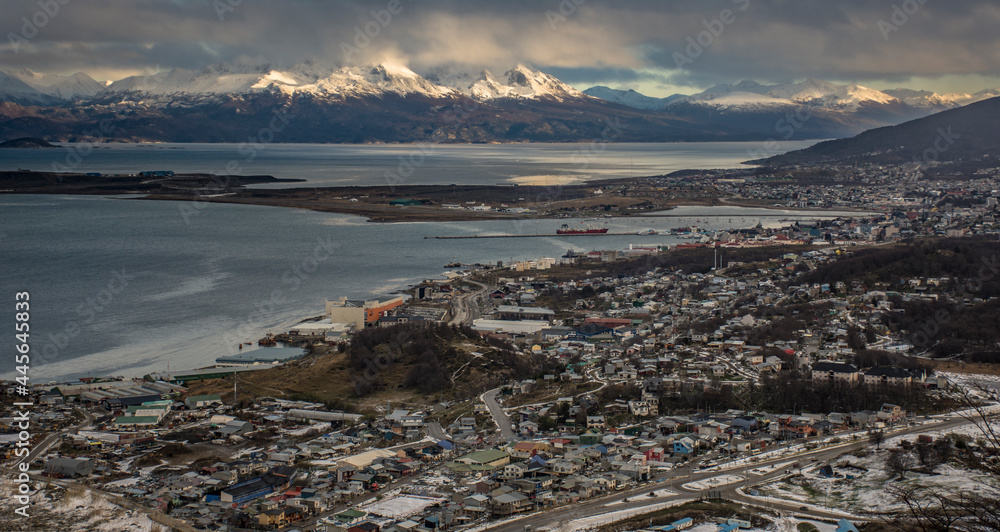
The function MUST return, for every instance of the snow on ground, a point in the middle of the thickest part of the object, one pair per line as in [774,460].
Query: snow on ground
[122,483]
[246,452]
[763,470]
[595,521]
[80,511]
[146,472]
[871,488]
[799,496]
[644,496]
[970,430]
[777,452]
[401,507]
[713,527]
[967,381]
[436,478]
[302,431]
[712,483]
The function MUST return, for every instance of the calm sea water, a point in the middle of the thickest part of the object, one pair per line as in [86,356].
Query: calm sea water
[415,164]
[123,286]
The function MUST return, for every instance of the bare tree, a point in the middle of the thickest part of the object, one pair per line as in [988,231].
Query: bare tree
[937,508]
[925,508]
[876,437]
[928,456]
[898,462]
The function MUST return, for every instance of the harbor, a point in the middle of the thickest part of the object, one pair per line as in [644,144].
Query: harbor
[449,237]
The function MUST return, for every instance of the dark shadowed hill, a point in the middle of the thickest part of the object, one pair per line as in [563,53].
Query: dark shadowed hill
[963,134]
[26,142]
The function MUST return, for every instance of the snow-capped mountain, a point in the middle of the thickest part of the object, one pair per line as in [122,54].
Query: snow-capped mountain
[389,102]
[812,92]
[631,98]
[348,82]
[928,99]
[234,80]
[753,96]
[12,89]
[72,87]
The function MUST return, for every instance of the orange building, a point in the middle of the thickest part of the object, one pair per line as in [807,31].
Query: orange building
[360,313]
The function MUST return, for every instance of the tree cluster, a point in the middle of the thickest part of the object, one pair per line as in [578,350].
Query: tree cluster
[428,357]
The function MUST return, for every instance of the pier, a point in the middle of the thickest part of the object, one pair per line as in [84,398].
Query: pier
[449,237]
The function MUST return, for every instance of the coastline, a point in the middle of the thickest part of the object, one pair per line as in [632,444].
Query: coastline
[621,197]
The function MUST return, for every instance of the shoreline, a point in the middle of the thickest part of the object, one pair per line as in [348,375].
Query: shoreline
[620,197]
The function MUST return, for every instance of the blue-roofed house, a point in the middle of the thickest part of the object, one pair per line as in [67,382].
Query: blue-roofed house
[846,526]
[684,445]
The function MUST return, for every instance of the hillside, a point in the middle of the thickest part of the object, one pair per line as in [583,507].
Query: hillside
[401,363]
[957,316]
[26,142]
[962,134]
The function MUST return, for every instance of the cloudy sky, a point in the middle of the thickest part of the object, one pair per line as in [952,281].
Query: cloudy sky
[658,47]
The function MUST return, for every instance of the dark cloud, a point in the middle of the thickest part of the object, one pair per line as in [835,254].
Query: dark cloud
[604,75]
[596,41]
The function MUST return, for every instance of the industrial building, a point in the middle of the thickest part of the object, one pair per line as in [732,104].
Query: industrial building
[68,467]
[360,313]
[264,355]
[511,312]
[509,326]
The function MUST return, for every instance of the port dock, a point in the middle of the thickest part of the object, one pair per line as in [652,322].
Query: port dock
[450,237]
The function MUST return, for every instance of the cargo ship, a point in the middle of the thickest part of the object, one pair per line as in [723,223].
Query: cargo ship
[590,230]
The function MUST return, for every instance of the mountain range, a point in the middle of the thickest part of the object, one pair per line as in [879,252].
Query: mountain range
[817,93]
[390,103]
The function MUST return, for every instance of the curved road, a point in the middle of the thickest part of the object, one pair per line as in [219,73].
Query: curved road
[553,518]
[499,415]
[44,445]
[463,311]
[434,430]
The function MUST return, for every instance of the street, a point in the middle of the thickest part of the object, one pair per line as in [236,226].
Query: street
[464,311]
[499,415]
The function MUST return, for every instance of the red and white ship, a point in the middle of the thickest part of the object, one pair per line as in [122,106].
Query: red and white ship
[589,230]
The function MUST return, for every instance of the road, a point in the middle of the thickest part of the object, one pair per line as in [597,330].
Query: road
[463,311]
[434,430]
[554,517]
[499,416]
[44,445]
